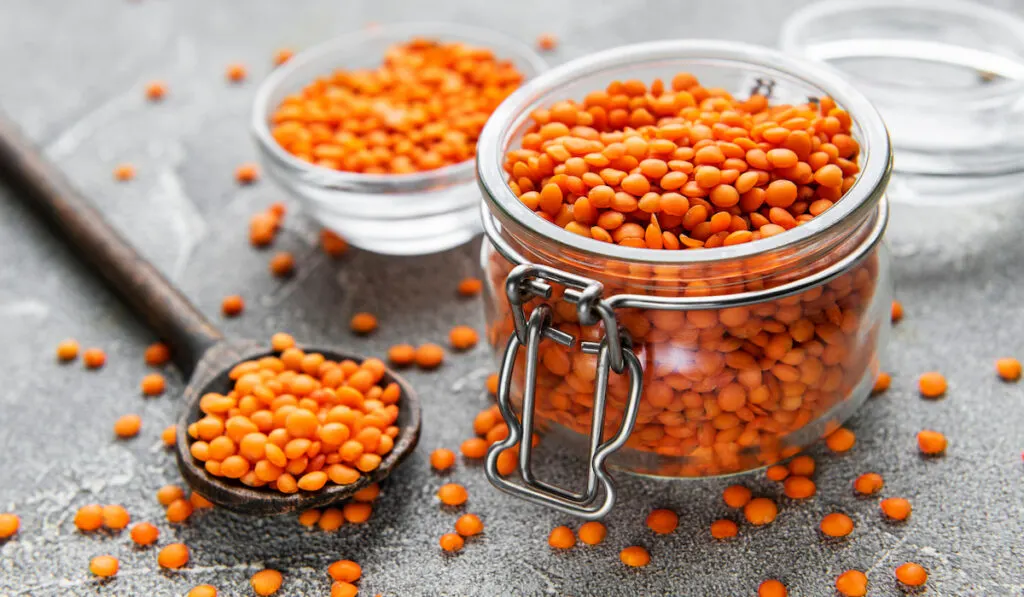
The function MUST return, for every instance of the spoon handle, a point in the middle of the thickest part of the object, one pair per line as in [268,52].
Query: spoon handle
[78,223]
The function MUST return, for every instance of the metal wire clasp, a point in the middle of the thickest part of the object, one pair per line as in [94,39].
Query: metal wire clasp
[613,354]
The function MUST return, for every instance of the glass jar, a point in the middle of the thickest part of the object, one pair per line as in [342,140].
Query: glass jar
[719,360]
[393,214]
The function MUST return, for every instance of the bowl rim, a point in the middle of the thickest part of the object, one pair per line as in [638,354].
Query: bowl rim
[504,46]
[860,199]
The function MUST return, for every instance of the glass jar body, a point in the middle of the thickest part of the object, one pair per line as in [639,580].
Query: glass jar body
[725,390]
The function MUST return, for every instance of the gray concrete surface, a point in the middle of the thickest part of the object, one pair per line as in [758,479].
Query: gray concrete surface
[73,75]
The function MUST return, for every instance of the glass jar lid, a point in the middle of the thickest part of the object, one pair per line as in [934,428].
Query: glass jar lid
[948,78]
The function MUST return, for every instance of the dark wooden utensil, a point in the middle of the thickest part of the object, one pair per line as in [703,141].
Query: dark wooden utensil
[199,349]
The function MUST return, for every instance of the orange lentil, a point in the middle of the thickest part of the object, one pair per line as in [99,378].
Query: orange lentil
[263,229]
[799,488]
[736,496]
[1008,368]
[128,426]
[173,556]
[592,532]
[345,571]
[931,384]
[281,341]
[429,356]
[836,525]
[266,582]
[760,511]
[462,337]
[452,542]
[931,442]
[422,109]
[168,493]
[309,518]
[153,384]
[802,465]
[468,525]
[156,90]
[662,521]
[723,529]
[852,583]
[282,264]
[896,508]
[67,350]
[144,533]
[332,244]
[470,286]
[179,511]
[343,589]
[124,172]
[442,459]
[474,448]
[203,591]
[840,440]
[777,472]
[115,517]
[492,384]
[104,566]
[897,311]
[363,323]
[547,41]
[235,72]
[356,512]
[771,588]
[452,494]
[232,305]
[199,502]
[9,525]
[635,556]
[283,55]
[561,538]
[94,358]
[868,484]
[331,519]
[882,383]
[911,574]
[89,517]
[508,462]
[157,354]
[247,173]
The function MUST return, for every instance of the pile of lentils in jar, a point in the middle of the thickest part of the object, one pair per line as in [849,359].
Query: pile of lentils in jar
[683,166]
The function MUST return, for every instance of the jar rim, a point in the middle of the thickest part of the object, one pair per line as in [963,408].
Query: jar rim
[505,47]
[865,193]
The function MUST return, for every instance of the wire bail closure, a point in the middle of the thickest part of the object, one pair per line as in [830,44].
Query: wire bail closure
[614,353]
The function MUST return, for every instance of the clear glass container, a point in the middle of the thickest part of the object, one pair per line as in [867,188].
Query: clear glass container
[748,353]
[403,214]
[948,78]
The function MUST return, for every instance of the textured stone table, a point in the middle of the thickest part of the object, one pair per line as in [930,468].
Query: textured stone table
[73,75]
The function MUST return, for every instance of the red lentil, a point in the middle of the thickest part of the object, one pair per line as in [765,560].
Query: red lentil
[345,571]
[897,311]
[452,542]
[561,538]
[104,566]
[931,442]
[235,73]
[429,356]
[169,493]
[442,459]
[199,502]
[363,323]
[592,532]
[468,525]
[332,244]
[635,556]
[931,384]
[799,488]
[144,533]
[331,519]
[911,574]
[156,90]
[771,588]
[157,354]
[723,529]
[547,42]
[1008,368]
[802,465]
[852,583]
[896,508]
[422,109]
[89,517]
[868,484]
[179,511]
[282,264]
[777,472]
[343,589]
[760,511]
[94,358]
[882,383]
[266,582]
[115,517]
[462,337]
[169,435]
[309,518]
[173,556]
[474,448]
[124,172]
[232,305]
[9,525]
[470,286]
[247,174]
[736,496]
[836,525]
[452,494]
[128,426]
[356,513]
[283,55]
[841,440]
[67,350]
[153,384]
[203,591]
[662,521]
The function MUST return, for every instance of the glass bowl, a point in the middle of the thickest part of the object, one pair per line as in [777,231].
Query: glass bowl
[395,214]
[948,78]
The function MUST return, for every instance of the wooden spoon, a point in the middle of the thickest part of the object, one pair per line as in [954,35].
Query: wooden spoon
[199,349]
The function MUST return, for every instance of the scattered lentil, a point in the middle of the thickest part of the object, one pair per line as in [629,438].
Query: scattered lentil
[470,286]
[104,566]
[309,518]
[723,529]
[468,525]
[94,358]
[179,511]
[247,174]
[635,556]
[841,440]
[896,508]
[236,73]
[771,588]
[115,517]
[442,459]
[203,591]
[799,488]
[89,518]
[343,589]
[232,305]
[157,354]
[777,472]
[911,574]
[561,537]
[802,465]
[429,356]
[345,571]
[452,494]
[897,311]
[836,525]
[868,484]
[882,383]
[356,512]
[662,521]
[332,244]
[124,172]
[492,384]
[169,435]
[592,532]
[451,542]
[760,511]
[173,556]
[1008,368]
[462,337]
[931,384]
[9,525]
[153,384]
[363,323]
[331,519]
[168,494]
[931,442]
[266,582]
[547,42]
[199,502]
[282,341]
[852,583]
[736,496]
[67,350]
[282,55]
[474,448]
[156,90]
[128,426]
[282,264]
[144,533]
